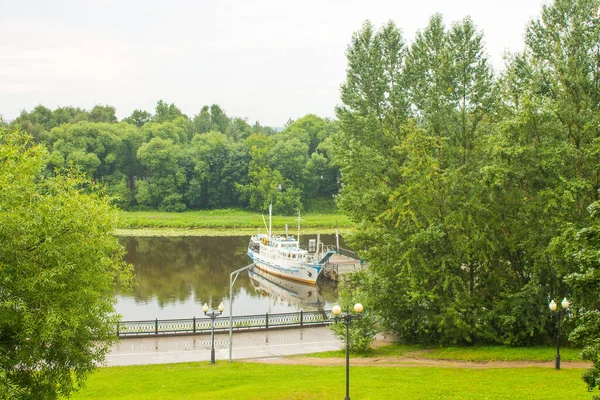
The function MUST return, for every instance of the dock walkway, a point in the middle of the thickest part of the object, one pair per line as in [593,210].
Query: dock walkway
[339,265]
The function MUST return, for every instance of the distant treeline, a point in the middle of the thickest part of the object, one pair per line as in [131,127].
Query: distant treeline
[168,161]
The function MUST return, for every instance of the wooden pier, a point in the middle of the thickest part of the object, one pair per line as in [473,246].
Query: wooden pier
[340,264]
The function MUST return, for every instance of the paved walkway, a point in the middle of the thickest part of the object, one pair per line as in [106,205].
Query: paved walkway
[263,344]
[273,346]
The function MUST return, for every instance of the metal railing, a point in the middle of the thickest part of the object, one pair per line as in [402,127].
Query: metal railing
[203,325]
[348,253]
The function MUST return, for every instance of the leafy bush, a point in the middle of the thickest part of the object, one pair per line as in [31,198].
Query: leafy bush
[362,330]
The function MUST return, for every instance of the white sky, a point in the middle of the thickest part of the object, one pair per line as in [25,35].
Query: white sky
[267,60]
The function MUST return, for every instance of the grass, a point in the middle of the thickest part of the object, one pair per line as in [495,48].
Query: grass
[500,353]
[276,382]
[475,353]
[226,219]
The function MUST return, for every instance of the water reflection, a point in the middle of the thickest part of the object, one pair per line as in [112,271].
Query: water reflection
[301,296]
[176,275]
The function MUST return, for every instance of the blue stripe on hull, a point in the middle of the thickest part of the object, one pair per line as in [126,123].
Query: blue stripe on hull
[287,273]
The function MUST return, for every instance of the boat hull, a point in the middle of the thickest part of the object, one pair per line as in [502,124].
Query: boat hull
[306,274]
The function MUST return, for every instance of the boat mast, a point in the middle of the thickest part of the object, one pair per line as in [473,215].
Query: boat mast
[270,219]
[298,227]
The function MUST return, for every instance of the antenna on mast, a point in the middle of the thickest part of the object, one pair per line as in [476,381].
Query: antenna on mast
[265,222]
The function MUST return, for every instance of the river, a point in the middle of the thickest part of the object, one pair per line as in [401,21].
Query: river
[175,276]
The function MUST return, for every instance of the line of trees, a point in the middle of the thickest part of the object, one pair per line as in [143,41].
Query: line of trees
[168,161]
[475,195]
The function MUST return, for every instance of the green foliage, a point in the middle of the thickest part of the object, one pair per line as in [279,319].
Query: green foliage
[138,118]
[41,120]
[103,114]
[59,264]
[362,331]
[165,112]
[411,184]
[466,189]
[218,165]
[585,284]
[166,177]
[211,160]
[323,205]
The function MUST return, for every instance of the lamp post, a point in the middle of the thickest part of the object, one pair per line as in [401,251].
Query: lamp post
[565,304]
[346,319]
[212,315]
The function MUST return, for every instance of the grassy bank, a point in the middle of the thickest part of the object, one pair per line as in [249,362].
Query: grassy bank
[222,222]
[273,382]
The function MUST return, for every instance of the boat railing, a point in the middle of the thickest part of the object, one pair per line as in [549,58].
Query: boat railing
[199,325]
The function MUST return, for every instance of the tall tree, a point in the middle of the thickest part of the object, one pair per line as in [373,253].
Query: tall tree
[369,120]
[59,264]
[414,186]
[565,49]
[92,147]
[68,115]
[165,180]
[218,165]
[266,185]
[165,112]
[585,284]
[202,123]
[564,54]
[219,120]
[103,114]
[138,118]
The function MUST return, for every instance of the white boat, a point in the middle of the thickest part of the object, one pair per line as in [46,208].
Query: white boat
[281,255]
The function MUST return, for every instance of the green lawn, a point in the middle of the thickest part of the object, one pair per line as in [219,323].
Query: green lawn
[228,219]
[261,381]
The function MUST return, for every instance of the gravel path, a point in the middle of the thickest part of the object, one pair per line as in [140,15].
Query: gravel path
[408,362]
[413,360]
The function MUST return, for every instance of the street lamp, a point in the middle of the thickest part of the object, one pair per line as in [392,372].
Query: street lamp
[346,319]
[565,308]
[212,315]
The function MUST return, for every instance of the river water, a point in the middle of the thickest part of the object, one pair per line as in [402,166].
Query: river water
[175,276]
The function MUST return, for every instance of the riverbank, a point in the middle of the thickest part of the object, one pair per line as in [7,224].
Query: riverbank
[181,232]
[228,222]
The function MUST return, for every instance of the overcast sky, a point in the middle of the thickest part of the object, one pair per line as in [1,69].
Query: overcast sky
[267,60]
